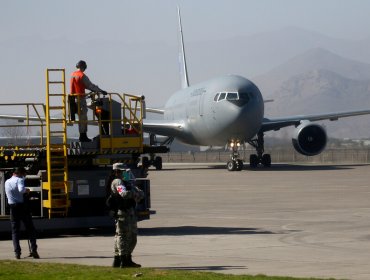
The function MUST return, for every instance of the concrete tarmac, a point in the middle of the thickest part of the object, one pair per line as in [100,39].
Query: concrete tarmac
[293,220]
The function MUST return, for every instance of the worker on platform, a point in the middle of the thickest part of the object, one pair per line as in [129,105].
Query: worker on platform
[20,212]
[126,221]
[80,82]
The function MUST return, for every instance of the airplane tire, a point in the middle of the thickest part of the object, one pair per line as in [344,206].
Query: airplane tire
[266,160]
[158,163]
[253,161]
[231,165]
[239,165]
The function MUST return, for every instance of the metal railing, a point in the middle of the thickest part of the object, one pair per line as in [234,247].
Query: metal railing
[32,115]
[131,108]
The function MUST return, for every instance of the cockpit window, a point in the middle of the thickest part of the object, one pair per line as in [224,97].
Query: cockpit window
[232,96]
[222,96]
[244,95]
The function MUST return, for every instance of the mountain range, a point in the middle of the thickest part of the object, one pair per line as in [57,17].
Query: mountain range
[320,81]
[303,71]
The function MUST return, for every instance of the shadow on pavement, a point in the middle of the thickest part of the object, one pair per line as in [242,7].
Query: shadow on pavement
[274,167]
[193,230]
[188,166]
[297,167]
[211,267]
[84,232]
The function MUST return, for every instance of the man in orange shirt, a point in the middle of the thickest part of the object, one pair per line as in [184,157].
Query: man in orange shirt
[79,83]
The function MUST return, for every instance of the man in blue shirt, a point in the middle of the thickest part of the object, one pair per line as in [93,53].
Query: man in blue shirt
[19,211]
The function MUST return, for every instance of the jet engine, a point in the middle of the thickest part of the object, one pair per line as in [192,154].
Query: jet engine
[309,139]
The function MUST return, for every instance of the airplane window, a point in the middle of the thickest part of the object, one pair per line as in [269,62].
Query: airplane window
[232,96]
[215,99]
[222,96]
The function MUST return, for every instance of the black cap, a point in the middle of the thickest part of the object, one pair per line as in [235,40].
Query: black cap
[81,64]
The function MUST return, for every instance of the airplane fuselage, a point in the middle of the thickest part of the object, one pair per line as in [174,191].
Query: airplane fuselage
[214,112]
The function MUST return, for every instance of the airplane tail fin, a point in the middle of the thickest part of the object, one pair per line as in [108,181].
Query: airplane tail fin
[182,58]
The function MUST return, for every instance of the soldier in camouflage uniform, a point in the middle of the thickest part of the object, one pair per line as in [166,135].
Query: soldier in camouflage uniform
[126,221]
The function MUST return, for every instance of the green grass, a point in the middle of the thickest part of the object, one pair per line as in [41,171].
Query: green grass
[38,271]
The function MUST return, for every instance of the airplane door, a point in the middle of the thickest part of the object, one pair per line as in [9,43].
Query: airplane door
[201,104]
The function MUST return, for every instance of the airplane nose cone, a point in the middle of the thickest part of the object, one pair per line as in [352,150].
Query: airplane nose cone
[247,112]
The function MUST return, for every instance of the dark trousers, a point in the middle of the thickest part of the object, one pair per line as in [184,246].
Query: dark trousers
[104,117]
[20,213]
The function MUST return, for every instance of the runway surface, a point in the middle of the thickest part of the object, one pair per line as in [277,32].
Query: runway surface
[294,220]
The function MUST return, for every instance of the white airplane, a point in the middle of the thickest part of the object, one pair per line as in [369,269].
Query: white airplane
[230,110]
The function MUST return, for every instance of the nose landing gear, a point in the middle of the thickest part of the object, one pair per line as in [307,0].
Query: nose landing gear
[235,164]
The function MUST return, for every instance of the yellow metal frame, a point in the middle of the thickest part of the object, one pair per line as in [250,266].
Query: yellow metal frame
[132,114]
[57,185]
[56,153]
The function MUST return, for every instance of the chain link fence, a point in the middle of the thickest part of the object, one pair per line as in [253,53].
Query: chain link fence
[277,155]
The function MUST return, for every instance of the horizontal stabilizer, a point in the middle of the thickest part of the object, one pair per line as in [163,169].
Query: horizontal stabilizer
[162,127]
[155,111]
[20,118]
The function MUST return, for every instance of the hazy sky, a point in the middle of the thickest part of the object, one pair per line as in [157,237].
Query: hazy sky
[148,20]
[73,29]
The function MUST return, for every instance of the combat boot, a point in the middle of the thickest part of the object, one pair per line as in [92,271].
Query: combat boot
[35,255]
[84,138]
[116,261]
[123,261]
[130,263]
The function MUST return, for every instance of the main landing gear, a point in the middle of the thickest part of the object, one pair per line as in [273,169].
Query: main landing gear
[260,157]
[156,147]
[155,161]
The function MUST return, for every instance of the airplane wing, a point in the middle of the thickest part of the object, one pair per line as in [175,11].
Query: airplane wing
[41,120]
[277,123]
[161,127]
